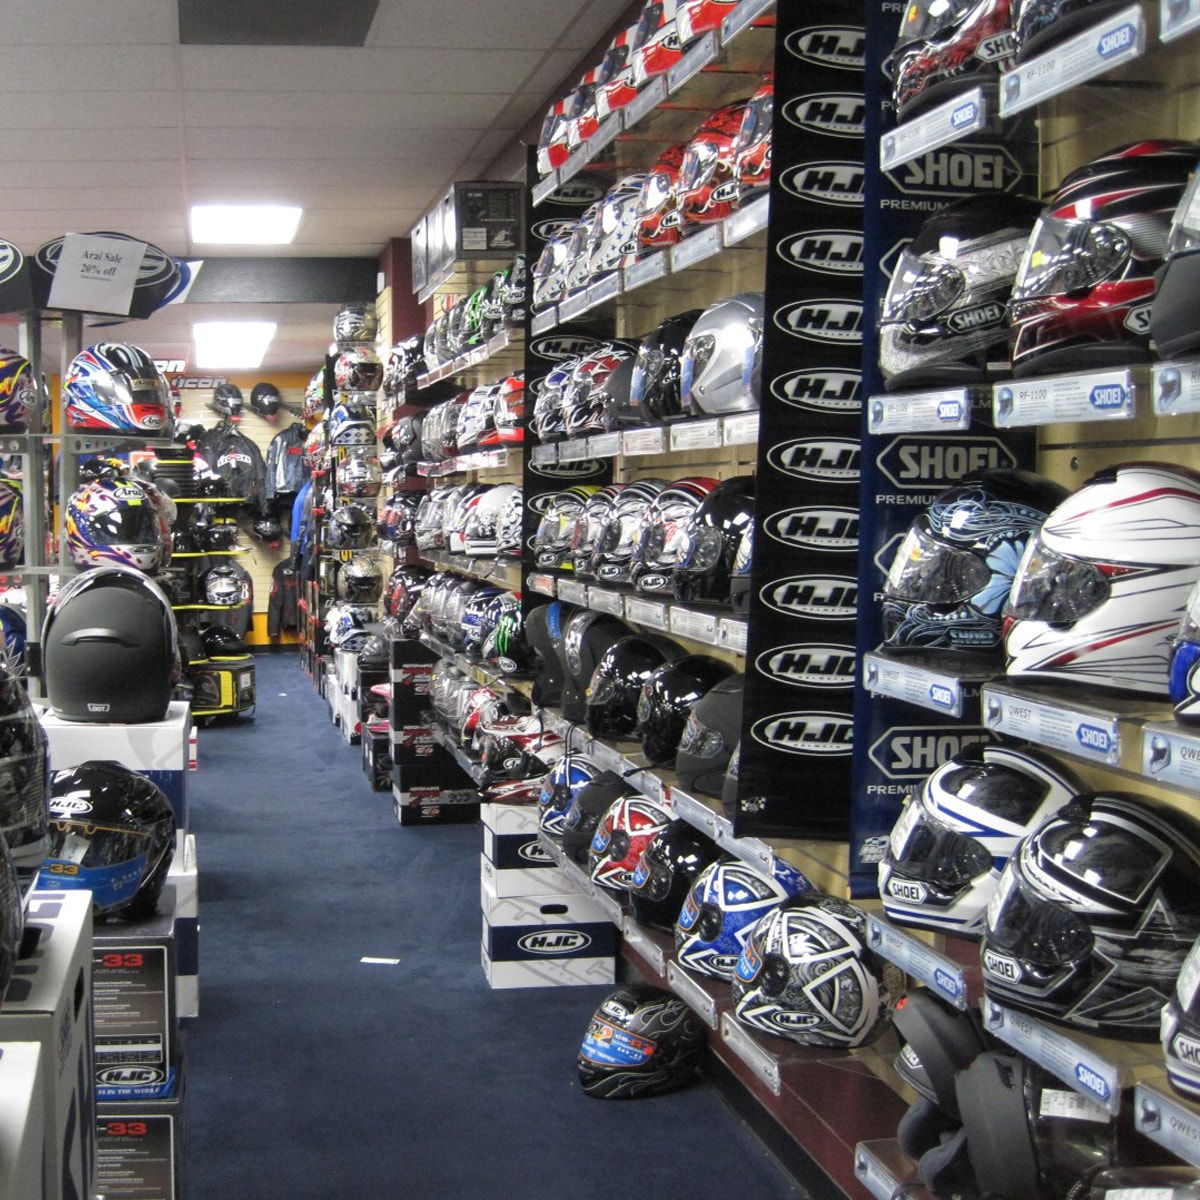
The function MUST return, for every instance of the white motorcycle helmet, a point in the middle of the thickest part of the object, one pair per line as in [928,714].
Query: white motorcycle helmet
[1100,590]
[549,271]
[614,241]
[481,533]
[720,368]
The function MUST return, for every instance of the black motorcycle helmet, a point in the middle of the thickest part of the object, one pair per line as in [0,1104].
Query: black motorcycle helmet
[703,571]
[611,701]
[266,400]
[12,916]
[642,1041]
[508,649]
[709,736]
[654,387]
[544,629]
[350,527]
[113,833]
[1039,25]
[227,399]
[403,588]
[219,641]
[665,872]
[587,806]
[24,769]
[360,581]
[268,530]
[666,702]
[587,637]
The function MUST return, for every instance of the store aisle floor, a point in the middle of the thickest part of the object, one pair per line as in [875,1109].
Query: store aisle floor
[314,1073]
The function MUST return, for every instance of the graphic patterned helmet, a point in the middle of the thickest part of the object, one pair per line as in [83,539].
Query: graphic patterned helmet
[112,833]
[806,974]
[720,368]
[225,585]
[654,384]
[557,527]
[360,581]
[112,520]
[20,396]
[359,476]
[1084,289]
[615,242]
[481,532]
[24,762]
[352,423]
[695,17]
[114,387]
[622,834]
[612,558]
[660,536]
[358,369]
[956,832]
[509,525]
[660,217]
[507,648]
[642,1041]
[595,515]
[314,395]
[550,270]
[346,625]
[723,905]
[668,697]
[945,317]
[1094,915]
[548,421]
[752,147]
[950,578]
[13,633]
[12,523]
[507,424]
[596,387]
[1101,588]
[711,540]
[227,399]
[559,787]
[350,528]
[355,323]
[708,188]
[666,871]
[1039,25]
[657,47]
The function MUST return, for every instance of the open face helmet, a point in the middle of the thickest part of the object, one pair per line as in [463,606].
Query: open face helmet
[1084,289]
[20,396]
[722,906]
[350,527]
[708,187]
[559,787]
[615,241]
[654,383]
[12,523]
[113,833]
[598,383]
[709,736]
[113,387]
[506,425]
[359,476]
[557,527]
[752,147]
[595,515]
[612,558]
[641,1041]
[111,520]
[805,973]
[720,367]
[950,578]
[958,829]
[352,422]
[711,540]
[660,217]
[1100,590]
[667,699]
[360,581]
[622,834]
[358,369]
[660,537]
[945,318]
[665,872]
[1094,915]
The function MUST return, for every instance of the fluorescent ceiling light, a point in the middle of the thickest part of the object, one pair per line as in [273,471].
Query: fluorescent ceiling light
[232,345]
[245,224]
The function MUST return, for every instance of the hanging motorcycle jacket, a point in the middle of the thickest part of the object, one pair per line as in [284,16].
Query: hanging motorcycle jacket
[286,466]
[230,454]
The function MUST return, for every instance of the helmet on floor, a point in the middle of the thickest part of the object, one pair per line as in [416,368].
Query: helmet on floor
[664,874]
[622,833]
[112,833]
[114,387]
[112,520]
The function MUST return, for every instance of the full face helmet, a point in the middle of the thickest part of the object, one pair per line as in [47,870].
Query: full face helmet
[224,585]
[1094,915]
[695,17]
[24,815]
[355,323]
[595,515]
[315,448]
[114,387]
[616,684]
[548,421]
[550,270]
[431,512]
[945,318]
[1039,25]
[709,736]
[711,540]
[352,423]
[517,747]
[12,523]
[13,634]
[944,49]
[360,581]
[596,387]
[642,1041]
[265,400]
[358,369]
[723,905]
[476,416]
[559,787]
[20,396]
[557,527]
[708,187]
[359,476]
[402,590]
[507,423]
[1174,327]
[113,833]
[622,834]
[666,871]
[227,400]
[660,216]
[346,626]
[586,639]
[1180,1029]
[350,527]
[481,532]
[667,699]
[577,272]
[459,511]
[950,578]
[1083,291]
[114,520]
[508,649]
[805,973]
[448,622]
[615,85]
[475,611]
[958,829]
[657,42]
[654,384]
[509,525]
[719,369]
[314,396]
[1101,588]
[752,147]
[739,573]
[660,537]
[615,241]
[612,558]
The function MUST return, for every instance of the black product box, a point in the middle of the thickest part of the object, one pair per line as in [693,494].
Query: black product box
[141,1146]
[377,760]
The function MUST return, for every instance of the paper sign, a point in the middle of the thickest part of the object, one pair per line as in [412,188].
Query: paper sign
[96,274]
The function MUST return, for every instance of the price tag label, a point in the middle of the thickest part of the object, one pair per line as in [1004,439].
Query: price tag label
[543,585]
[1175,388]
[572,592]
[746,221]
[1167,1120]
[541,456]
[1171,755]
[741,17]
[940,126]
[652,613]
[696,435]
[604,290]
[545,320]
[692,993]
[693,62]
[606,601]
[649,951]
[646,101]
[701,627]
[915,958]
[1054,726]
[575,450]
[604,445]
[913,684]
[732,634]
[573,306]
[646,270]
[873,1175]
[765,1066]
[1103,396]
[696,248]
[924,412]
[741,430]
[544,187]
[643,441]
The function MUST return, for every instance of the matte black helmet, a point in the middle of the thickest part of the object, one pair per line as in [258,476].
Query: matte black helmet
[709,736]
[227,399]
[266,400]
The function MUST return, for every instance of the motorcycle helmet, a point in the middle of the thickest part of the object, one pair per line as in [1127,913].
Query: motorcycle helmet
[587,806]
[459,513]
[719,370]
[615,86]
[596,513]
[346,626]
[945,320]
[1084,288]
[558,789]
[612,558]
[224,585]
[1174,328]
[709,736]
[315,448]
[666,702]
[266,400]
[721,908]
[219,641]
[543,629]
[805,973]
[110,647]
[350,527]
[951,574]
[598,383]
[708,187]
[958,829]
[642,1041]
[352,423]
[359,476]
[660,216]
[227,400]
[447,623]
[668,866]
[550,269]
[622,834]
[430,518]
[12,917]
[752,147]
[739,573]
[1180,1030]
[24,815]
[12,523]
[360,581]
[314,396]
[473,620]
[13,633]
[113,387]
[615,243]
[20,396]
[509,525]
[548,421]
[577,269]
[355,323]
[615,687]
[402,590]
[1039,25]
[1101,587]
[660,536]
[657,47]
[449,426]
[520,749]
[475,417]
[654,382]
[506,425]
[508,649]
[694,17]
[1093,916]
[945,49]
[114,520]
[480,534]
[406,361]
[586,639]
[267,530]
[113,833]
[557,528]
[358,369]
[711,539]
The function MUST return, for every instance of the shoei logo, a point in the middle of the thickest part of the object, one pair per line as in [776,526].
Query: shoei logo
[585,468]
[131,1076]
[11,261]
[825,460]
[1116,41]
[1001,966]
[814,734]
[1108,396]
[1093,737]
[842,47]
[532,852]
[941,695]
[981,316]
[554,943]
[999,46]
[827,320]
[964,115]
[914,750]
[1092,1081]
[906,889]
[829,182]
[70,806]
[98,708]
[562,345]
[947,982]
[810,664]
[545,230]
[841,114]
[926,464]
[820,597]
[962,169]
[820,390]
[825,251]
[1186,1049]
[823,529]
[950,410]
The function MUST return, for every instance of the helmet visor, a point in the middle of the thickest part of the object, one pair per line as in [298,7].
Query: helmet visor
[925,848]
[925,19]
[929,570]
[1042,932]
[1065,257]
[133,524]
[1184,236]
[1053,588]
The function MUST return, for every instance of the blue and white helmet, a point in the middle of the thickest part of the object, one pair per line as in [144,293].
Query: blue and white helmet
[559,788]
[721,907]
[346,625]
[114,387]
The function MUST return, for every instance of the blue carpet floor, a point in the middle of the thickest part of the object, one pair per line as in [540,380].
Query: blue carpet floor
[313,1075]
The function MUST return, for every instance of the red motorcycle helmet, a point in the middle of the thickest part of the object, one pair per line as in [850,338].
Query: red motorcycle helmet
[660,222]
[752,147]
[708,181]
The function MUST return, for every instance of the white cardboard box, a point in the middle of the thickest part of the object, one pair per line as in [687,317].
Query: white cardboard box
[22,1121]
[514,862]
[184,877]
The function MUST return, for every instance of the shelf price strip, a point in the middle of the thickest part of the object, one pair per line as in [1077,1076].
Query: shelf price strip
[940,975]
[1053,726]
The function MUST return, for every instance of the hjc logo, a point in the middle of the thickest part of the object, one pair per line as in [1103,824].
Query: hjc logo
[840,114]
[820,390]
[825,460]
[815,664]
[842,47]
[827,320]
[576,193]
[562,346]
[830,182]
[836,252]
[130,1076]
[823,529]
[558,943]
[820,597]
[820,734]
